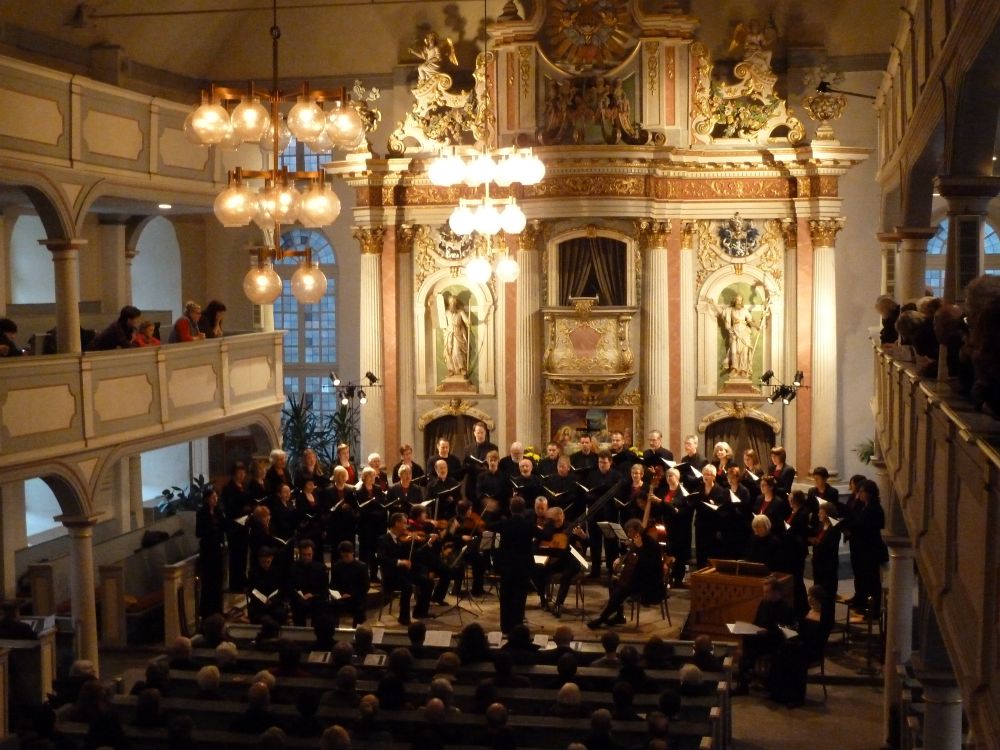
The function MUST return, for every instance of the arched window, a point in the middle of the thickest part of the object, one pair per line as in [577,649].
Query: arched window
[311,338]
[937,250]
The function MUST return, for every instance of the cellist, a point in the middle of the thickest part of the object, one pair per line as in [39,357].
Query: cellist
[554,541]
[641,576]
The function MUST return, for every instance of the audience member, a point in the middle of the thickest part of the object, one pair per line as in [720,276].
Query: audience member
[498,736]
[704,655]
[8,348]
[208,680]
[145,334]
[367,728]
[186,327]
[11,625]
[473,647]
[600,732]
[344,693]
[569,703]
[120,333]
[258,715]
[335,738]
[149,710]
[210,323]
[609,641]
[623,697]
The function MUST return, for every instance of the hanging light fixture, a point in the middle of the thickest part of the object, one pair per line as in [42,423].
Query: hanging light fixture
[278,201]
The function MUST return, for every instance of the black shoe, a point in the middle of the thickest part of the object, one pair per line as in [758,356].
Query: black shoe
[404,621]
[544,604]
[618,619]
[557,611]
[595,624]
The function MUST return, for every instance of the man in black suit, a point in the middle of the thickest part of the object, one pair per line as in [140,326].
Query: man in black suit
[398,573]
[264,583]
[309,584]
[547,466]
[475,458]
[511,463]
[444,452]
[445,488]
[350,579]
[656,453]
[598,483]
[515,562]
[562,490]
[404,494]
[11,626]
[526,484]
[622,456]
[584,459]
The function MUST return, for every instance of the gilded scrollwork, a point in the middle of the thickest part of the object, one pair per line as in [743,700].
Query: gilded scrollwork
[652,233]
[425,255]
[824,231]
[630,398]
[737,410]
[554,397]
[652,66]
[749,108]
[708,258]
[567,186]
[524,69]
[770,259]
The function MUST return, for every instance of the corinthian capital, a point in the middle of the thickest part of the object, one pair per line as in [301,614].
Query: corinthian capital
[531,236]
[652,233]
[405,236]
[823,232]
[370,239]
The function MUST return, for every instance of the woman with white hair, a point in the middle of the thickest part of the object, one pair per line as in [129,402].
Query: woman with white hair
[765,546]
[186,327]
[372,522]
[277,473]
[722,459]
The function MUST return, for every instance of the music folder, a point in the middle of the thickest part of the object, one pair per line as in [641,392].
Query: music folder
[612,530]
[584,562]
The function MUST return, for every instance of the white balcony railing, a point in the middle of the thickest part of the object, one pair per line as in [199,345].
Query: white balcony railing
[943,464]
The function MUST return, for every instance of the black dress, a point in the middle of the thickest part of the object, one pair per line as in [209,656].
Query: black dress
[210,530]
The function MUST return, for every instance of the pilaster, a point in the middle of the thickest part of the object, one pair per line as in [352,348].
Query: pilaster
[688,324]
[406,335]
[655,324]
[528,375]
[373,413]
[824,397]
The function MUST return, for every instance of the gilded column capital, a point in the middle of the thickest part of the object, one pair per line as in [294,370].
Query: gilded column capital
[370,239]
[689,230]
[406,235]
[652,234]
[531,236]
[823,232]
[790,233]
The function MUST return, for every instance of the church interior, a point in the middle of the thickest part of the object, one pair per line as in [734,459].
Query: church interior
[511,245]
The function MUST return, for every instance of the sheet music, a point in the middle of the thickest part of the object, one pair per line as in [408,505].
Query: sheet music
[377,635]
[438,638]
[742,628]
[584,563]
[753,476]
[335,595]
[734,497]
[541,640]
[710,504]
[788,632]
[374,660]
[242,520]
[319,657]
[541,559]
[494,638]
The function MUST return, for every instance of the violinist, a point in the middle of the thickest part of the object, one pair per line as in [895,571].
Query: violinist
[427,539]
[561,488]
[641,576]
[636,495]
[464,533]
[554,541]
[678,514]
[398,571]
[405,494]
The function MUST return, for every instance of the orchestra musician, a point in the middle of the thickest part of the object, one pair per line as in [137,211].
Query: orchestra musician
[554,540]
[399,573]
[541,511]
[428,541]
[464,533]
[404,494]
[641,575]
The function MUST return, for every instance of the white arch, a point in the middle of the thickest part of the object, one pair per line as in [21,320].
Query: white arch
[424,316]
[32,275]
[156,269]
[708,324]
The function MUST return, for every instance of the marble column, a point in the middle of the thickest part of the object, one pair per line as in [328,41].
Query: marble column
[942,712]
[370,322]
[968,199]
[823,427]
[13,535]
[406,335]
[688,324]
[911,263]
[66,257]
[528,337]
[655,329]
[81,583]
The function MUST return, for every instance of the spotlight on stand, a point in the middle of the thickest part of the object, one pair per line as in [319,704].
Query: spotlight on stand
[788,397]
[372,380]
[334,378]
[797,380]
[765,379]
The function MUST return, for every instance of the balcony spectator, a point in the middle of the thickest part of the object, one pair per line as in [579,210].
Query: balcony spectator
[7,346]
[888,310]
[121,333]
[146,334]
[211,319]
[186,327]
[982,302]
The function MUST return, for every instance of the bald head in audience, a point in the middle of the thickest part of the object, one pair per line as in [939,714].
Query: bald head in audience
[335,738]
[259,696]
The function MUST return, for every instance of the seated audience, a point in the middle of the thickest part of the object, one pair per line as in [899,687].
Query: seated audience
[569,703]
[367,727]
[186,327]
[145,334]
[209,680]
[258,715]
[609,642]
[7,346]
[120,333]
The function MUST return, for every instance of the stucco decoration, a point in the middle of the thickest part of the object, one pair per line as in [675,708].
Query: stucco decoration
[30,117]
[120,398]
[581,36]
[749,108]
[29,411]
[248,376]
[112,135]
[454,408]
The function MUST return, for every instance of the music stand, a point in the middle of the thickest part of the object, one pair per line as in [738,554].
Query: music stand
[463,593]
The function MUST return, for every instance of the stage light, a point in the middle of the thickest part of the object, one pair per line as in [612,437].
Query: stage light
[372,380]
[766,377]
[335,378]
[799,377]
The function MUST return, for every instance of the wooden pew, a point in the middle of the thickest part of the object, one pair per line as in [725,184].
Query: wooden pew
[31,668]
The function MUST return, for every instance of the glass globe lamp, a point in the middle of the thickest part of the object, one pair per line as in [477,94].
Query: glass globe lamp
[230,141]
[308,284]
[487,219]
[512,219]
[277,204]
[235,206]
[345,125]
[210,122]
[534,169]
[251,120]
[189,132]
[262,285]
[462,221]
[507,269]
[318,206]
[478,270]
[321,145]
[480,171]
[284,136]
[306,120]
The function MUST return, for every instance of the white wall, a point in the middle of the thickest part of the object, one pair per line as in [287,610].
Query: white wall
[156,270]
[32,275]
[40,506]
[165,467]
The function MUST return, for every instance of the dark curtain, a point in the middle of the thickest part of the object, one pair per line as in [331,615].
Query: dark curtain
[607,257]
[741,434]
[593,266]
[458,431]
